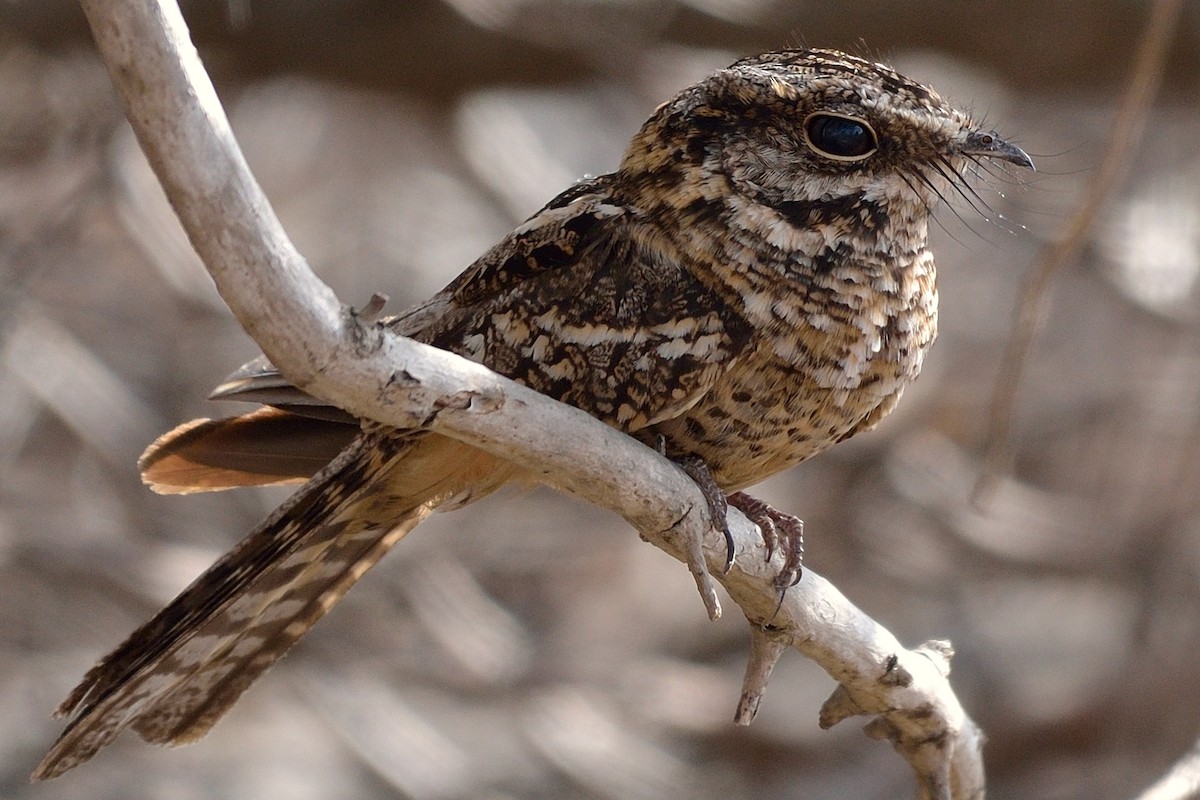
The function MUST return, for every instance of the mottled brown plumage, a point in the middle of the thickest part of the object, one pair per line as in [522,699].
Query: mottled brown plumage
[751,286]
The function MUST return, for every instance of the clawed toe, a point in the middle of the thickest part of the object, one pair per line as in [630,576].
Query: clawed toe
[718,506]
[780,531]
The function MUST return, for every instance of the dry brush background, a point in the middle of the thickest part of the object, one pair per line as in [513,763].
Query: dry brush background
[505,650]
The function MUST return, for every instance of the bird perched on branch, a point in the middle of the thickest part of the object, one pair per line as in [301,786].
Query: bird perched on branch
[751,286]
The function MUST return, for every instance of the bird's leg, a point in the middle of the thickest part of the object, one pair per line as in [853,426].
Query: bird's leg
[718,506]
[780,531]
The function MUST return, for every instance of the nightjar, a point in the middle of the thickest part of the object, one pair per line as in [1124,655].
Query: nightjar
[751,286]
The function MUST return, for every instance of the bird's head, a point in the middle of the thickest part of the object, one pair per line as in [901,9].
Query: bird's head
[804,126]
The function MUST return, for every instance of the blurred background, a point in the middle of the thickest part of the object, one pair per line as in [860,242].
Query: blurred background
[531,646]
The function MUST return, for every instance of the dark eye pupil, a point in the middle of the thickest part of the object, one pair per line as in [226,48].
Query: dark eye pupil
[840,136]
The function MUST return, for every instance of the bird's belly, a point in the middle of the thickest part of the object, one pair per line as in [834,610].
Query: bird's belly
[768,414]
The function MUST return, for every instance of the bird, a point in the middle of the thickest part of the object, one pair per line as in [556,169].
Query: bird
[752,285]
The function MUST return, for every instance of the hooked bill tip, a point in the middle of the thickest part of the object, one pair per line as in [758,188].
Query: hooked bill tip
[990,145]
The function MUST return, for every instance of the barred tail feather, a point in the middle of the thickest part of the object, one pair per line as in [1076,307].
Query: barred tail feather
[180,672]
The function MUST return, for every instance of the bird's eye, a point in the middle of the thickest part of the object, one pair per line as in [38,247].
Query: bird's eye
[839,137]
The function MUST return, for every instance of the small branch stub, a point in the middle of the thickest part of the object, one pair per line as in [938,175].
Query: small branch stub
[767,646]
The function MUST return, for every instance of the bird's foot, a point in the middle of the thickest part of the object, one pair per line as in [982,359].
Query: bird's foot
[780,531]
[718,506]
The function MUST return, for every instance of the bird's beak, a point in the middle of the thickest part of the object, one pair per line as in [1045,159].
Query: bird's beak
[989,145]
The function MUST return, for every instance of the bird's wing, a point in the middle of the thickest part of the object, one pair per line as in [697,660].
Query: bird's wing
[583,302]
[590,304]
[541,243]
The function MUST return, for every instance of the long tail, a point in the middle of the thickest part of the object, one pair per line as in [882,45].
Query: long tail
[177,674]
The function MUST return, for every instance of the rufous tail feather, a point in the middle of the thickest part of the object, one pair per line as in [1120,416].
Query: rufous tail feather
[261,448]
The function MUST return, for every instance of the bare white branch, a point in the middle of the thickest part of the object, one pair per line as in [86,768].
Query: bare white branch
[326,349]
